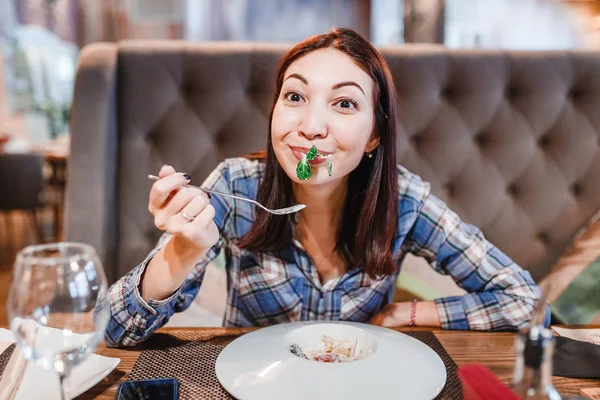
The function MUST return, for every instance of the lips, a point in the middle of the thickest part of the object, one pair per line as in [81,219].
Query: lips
[300,152]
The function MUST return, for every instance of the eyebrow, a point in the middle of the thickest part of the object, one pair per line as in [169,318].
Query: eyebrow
[334,87]
[299,77]
[348,83]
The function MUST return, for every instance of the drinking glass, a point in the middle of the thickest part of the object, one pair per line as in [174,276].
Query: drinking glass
[58,307]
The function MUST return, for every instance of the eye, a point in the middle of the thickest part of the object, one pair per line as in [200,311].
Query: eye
[294,97]
[347,104]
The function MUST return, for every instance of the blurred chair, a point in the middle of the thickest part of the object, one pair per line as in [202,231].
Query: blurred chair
[508,139]
[21,188]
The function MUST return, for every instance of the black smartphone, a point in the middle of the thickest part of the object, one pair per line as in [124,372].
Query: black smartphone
[150,389]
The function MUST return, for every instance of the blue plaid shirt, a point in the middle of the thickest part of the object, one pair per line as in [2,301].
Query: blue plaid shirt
[264,289]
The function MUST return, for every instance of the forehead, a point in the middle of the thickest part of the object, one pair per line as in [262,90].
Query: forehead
[329,66]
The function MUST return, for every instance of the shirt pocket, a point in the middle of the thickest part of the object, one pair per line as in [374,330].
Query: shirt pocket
[361,297]
[266,294]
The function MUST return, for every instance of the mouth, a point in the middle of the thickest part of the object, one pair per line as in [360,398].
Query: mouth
[300,152]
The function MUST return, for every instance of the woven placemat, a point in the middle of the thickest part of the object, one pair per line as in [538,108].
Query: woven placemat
[190,357]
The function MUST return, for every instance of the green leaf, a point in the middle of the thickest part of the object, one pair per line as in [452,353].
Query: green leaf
[312,153]
[303,171]
[329,167]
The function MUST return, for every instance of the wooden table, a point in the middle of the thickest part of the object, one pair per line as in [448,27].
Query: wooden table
[56,156]
[57,181]
[493,349]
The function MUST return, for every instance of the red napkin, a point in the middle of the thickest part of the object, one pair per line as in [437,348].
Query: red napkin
[479,383]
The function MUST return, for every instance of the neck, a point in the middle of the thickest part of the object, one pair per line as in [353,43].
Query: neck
[324,205]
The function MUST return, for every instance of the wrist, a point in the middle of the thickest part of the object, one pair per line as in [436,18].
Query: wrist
[412,315]
[181,257]
[427,314]
[168,268]
[185,250]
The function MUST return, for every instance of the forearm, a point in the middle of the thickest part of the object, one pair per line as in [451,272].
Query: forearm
[133,319]
[487,311]
[426,314]
[168,269]
[399,314]
[501,295]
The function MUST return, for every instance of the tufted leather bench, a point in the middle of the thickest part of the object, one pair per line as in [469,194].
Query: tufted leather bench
[509,139]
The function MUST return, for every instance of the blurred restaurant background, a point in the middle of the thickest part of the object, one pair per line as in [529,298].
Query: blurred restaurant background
[40,41]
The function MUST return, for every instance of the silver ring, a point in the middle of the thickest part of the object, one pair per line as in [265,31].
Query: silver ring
[187,217]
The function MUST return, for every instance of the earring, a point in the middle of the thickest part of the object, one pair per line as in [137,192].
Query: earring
[370,155]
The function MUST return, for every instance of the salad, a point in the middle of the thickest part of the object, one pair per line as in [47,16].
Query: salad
[304,170]
[333,350]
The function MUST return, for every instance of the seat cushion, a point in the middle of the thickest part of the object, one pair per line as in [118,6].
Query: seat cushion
[419,280]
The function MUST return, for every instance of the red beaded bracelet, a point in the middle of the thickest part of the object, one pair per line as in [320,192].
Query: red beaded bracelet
[413,312]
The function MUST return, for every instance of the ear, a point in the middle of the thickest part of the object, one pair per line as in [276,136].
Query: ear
[372,144]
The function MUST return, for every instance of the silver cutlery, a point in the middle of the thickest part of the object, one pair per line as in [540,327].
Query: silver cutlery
[279,211]
[296,350]
[5,357]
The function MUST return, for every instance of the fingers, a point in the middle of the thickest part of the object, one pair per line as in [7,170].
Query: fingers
[182,211]
[163,188]
[180,200]
[166,170]
[200,228]
[203,218]
[192,209]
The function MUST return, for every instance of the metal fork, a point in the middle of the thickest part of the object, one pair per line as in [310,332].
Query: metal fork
[5,357]
[279,211]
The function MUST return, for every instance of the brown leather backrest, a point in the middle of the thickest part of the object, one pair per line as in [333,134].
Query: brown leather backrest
[509,139]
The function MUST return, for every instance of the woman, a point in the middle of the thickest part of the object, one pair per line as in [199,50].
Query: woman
[339,258]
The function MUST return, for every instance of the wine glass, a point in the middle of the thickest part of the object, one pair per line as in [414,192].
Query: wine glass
[58,307]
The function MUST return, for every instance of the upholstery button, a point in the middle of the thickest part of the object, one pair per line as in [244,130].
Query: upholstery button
[448,92]
[512,92]
[187,90]
[544,142]
[574,94]
[577,189]
[482,140]
[513,190]
[416,140]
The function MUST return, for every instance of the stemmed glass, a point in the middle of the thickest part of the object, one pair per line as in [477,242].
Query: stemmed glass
[58,307]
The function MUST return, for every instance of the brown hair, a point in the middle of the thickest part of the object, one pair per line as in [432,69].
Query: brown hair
[371,206]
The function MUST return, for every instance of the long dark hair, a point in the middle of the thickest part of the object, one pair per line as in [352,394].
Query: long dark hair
[371,206]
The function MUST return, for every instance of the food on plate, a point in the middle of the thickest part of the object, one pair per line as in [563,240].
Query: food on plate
[332,350]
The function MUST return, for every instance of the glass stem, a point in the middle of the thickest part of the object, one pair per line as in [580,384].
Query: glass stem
[63,393]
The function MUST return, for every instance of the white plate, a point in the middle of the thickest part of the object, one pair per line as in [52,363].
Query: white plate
[259,365]
[39,383]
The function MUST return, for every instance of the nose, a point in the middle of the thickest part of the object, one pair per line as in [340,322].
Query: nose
[314,123]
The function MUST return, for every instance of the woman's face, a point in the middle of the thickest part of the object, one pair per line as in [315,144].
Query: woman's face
[326,101]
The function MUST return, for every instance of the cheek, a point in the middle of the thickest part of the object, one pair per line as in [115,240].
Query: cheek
[353,134]
[284,121]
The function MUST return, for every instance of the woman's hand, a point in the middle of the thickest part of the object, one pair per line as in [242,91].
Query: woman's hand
[186,213]
[398,314]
